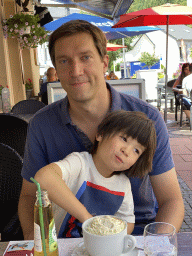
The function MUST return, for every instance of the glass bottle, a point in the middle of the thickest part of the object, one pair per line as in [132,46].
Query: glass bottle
[49,227]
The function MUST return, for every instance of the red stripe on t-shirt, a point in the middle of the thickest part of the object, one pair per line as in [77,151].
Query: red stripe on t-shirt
[71,225]
[105,189]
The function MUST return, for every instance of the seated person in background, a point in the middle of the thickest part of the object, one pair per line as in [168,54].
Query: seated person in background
[95,184]
[111,76]
[187,87]
[51,78]
[184,72]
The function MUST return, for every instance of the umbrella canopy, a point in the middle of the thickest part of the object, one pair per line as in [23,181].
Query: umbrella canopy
[167,14]
[104,24]
[114,47]
[104,8]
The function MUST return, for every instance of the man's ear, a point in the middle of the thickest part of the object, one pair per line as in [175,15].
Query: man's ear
[106,63]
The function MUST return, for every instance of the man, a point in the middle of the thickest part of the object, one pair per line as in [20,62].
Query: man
[78,52]
[111,76]
[51,78]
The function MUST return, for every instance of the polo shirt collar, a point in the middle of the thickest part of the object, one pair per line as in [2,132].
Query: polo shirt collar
[115,103]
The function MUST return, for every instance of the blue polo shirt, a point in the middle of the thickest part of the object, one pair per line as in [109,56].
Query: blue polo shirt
[52,136]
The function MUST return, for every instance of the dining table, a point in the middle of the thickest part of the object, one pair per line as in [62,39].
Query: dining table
[67,246]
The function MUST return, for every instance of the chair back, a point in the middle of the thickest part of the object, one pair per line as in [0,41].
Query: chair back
[10,188]
[171,83]
[27,107]
[13,132]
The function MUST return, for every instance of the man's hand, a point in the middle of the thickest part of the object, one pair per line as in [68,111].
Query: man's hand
[26,209]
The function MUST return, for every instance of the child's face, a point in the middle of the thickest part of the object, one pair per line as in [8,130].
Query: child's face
[116,153]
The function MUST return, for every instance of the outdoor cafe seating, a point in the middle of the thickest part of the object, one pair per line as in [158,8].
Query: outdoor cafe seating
[179,98]
[13,132]
[10,187]
[161,93]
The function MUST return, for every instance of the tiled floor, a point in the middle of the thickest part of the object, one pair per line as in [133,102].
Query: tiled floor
[181,145]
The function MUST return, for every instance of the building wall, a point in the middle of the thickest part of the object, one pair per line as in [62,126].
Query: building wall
[143,45]
[156,42]
[159,40]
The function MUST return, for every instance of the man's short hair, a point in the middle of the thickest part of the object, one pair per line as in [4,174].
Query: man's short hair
[136,125]
[51,72]
[75,27]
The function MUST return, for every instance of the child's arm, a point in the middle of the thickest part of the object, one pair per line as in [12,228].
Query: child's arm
[130,227]
[50,178]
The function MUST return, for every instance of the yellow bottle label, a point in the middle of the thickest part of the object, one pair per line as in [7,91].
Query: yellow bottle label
[37,238]
[52,236]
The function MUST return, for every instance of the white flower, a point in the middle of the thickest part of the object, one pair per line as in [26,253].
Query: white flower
[11,16]
[25,38]
[4,21]
[16,30]
[26,23]
[11,30]
[38,25]
[33,26]
[21,32]
[16,26]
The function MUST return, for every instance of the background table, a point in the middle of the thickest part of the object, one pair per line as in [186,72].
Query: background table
[184,244]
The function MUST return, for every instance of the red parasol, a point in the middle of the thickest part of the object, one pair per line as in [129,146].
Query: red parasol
[114,47]
[167,14]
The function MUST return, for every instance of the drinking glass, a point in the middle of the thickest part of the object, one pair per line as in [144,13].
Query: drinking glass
[160,239]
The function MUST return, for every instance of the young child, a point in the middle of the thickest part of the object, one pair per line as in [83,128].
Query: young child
[83,185]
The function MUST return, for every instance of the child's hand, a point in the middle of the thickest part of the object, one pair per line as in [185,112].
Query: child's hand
[87,216]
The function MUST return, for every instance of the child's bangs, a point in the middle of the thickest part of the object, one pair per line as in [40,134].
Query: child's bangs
[141,131]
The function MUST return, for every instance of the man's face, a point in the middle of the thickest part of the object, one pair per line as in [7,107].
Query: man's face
[79,67]
[186,71]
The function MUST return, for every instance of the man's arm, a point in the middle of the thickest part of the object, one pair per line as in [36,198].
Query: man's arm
[169,197]
[26,209]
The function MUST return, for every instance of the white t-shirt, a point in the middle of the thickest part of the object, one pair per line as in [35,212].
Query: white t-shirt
[99,195]
[187,84]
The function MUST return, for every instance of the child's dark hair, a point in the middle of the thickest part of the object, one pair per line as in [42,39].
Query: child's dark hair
[136,125]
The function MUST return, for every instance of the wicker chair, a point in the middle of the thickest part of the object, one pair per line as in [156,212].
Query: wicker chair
[13,132]
[10,188]
[27,107]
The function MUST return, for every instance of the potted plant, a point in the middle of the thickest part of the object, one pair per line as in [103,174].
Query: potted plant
[148,59]
[28,88]
[26,29]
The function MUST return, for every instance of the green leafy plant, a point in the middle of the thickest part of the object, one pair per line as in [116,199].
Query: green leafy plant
[26,29]
[161,75]
[28,84]
[148,59]
[117,67]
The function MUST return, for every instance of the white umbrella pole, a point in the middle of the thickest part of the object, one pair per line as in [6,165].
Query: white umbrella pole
[166,78]
[125,73]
